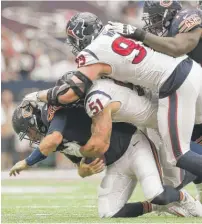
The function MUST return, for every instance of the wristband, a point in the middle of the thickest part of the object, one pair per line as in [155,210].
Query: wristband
[35,157]
[139,34]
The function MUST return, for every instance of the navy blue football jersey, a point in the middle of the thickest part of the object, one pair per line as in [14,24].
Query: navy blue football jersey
[75,126]
[186,21]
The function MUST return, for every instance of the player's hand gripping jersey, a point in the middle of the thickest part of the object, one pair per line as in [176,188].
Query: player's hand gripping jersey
[130,60]
[186,21]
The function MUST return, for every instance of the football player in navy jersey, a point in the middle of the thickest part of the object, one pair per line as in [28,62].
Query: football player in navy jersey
[67,129]
[183,27]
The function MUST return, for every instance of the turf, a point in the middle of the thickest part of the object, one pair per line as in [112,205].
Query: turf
[65,201]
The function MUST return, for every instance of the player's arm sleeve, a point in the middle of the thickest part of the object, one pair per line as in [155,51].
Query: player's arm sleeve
[54,135]
[192,22]
[86,57]
[58,122]
[176,46]
[96,101]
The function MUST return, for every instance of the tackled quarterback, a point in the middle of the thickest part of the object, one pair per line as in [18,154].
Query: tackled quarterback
[129,81]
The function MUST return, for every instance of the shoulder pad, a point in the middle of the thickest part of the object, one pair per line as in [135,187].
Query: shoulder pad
[96,101]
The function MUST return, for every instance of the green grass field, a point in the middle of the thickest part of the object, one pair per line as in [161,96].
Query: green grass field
[44,200]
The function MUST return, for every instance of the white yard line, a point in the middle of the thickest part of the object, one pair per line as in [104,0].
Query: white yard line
[48,174]
[52,206]
[25,197]
[108,223]
[37,189]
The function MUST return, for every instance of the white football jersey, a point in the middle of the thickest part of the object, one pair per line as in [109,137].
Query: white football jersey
[137,110]
[131,61]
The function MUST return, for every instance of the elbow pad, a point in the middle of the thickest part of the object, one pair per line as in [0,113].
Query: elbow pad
[65,83]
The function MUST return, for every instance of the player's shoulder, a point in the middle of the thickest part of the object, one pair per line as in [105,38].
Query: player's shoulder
[186,20]
[98,97]
[96,52]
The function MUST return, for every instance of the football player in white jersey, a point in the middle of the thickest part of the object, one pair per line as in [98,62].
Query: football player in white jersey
[128,151]
[107,102]
[182,25]
[105,52]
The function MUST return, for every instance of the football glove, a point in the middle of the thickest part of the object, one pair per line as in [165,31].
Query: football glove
[72,148]
[32,97]
[123,29]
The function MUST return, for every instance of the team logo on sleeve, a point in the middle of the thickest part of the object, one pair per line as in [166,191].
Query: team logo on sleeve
[80,60]
[76,31]
[189,22]
[51,112]
[165,3]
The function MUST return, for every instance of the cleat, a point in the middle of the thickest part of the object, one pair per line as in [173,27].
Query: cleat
[173,209]
[192,205]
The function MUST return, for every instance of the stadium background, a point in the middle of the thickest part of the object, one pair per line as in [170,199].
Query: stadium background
[33,56]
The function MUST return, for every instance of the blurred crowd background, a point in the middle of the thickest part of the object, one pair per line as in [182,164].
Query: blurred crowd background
[34,56]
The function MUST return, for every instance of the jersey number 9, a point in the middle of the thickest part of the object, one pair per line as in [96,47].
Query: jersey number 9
[129,47]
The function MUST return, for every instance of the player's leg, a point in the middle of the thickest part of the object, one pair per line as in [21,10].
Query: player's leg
[197,137]
[172,176]
[176,117]
[198,119]
[177,177]
[146,166]
[197,132]
[114,192]
[144,152]
[117,187]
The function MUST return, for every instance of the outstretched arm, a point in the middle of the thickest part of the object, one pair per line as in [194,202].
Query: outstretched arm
[176,46]
[92,72]
[47,146]
[71,89]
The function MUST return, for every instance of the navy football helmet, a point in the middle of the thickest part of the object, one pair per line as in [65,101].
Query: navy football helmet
[158,15]
[27,121]
[81,29]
